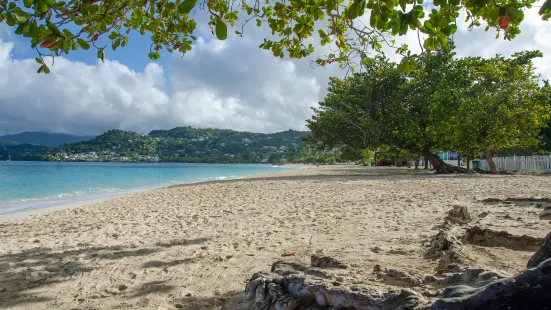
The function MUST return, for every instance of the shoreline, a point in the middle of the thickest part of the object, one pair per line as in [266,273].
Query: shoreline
[85,201]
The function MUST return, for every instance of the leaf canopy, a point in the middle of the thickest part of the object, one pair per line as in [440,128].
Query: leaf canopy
[357,28]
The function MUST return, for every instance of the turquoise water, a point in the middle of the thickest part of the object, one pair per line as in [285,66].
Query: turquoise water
[34,185]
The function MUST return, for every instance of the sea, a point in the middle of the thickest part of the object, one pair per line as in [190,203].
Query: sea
[34,185]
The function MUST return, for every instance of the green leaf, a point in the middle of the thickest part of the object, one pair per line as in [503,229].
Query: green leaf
[27,29]
[401,67]
[39,60]
[374,19]
[428,25]
[33,32]
[55,29]
[28,3]
[430,44]
[45,69]
[352,11]
[19,29]
[101,55]
[186,6]
[10,20]
[20,16]
[442,38]
[221,30]
[115,44]
[403,5]
[545,8]
[83,44]
[113,35]
[361,8]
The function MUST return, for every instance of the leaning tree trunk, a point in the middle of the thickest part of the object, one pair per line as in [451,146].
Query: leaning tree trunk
[438,164]
[490,159]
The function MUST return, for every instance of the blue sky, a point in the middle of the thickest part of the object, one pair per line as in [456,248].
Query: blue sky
[224,84]
[134,55]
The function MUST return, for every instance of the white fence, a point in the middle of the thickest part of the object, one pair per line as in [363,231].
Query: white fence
[536,163]
[519,163]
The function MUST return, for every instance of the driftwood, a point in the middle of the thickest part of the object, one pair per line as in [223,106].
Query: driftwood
[527,290]
[543,253]
[291,286]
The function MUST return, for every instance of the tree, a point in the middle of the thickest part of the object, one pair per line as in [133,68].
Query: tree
[503,107]
[469,104]
[58,27]
[382,106]
[545,137]
[274,158]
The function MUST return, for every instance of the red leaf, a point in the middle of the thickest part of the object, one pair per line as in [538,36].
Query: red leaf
[289,254]
[47,44]
[95,38]
[157,47]
[504,21]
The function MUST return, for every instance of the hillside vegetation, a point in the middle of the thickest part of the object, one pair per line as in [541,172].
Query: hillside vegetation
[184,144]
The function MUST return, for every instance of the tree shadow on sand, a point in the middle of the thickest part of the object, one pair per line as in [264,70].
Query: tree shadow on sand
[22,272]
[347,174]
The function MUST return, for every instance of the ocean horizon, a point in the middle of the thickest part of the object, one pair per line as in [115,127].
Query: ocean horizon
[28,186]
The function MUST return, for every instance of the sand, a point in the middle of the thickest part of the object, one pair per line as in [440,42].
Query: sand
[195,246]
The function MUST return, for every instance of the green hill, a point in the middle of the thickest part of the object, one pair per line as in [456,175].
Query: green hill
[184,144]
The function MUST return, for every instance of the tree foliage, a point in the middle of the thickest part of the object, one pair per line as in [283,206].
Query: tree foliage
[468,105]
[503,107]
[56,27]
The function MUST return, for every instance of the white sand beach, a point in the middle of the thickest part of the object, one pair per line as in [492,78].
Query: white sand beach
[195,246]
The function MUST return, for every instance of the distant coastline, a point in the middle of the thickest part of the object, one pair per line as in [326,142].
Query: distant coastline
[177,145]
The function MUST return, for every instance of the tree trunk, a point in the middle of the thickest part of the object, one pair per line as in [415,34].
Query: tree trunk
[417,163]
[426,163]
[439,165]
[458,160]
[469,163]
[490,159]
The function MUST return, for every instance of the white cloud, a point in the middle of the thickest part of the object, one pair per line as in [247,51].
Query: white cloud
[231,84]
[228,84]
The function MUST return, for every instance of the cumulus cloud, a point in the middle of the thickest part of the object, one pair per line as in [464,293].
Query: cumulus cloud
[230,84]
[221,84]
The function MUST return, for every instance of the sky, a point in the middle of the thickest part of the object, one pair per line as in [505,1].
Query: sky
[229,84]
